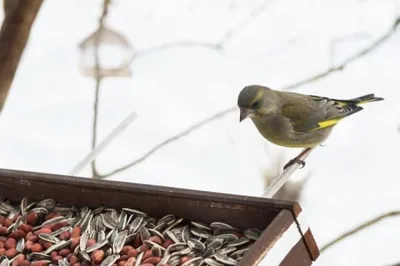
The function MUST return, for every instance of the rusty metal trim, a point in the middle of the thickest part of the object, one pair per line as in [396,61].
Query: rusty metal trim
[268,239]
[305,231]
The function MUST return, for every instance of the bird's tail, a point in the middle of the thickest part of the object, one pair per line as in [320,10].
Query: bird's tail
[360,100]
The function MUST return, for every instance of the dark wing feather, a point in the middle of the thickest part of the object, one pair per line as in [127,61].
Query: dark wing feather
[315,113]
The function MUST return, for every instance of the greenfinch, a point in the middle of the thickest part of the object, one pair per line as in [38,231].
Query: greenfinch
[295,120]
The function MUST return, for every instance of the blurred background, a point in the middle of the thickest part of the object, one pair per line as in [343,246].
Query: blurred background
[180,66]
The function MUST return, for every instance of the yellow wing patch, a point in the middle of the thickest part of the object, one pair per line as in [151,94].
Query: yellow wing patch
[325,124]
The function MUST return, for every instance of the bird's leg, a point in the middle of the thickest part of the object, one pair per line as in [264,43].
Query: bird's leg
[297,159]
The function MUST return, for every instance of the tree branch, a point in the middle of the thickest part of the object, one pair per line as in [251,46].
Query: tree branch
[14,35]
[370,48]
[359,228]
[169,140]
[98,80]
[255,12]
[218,46]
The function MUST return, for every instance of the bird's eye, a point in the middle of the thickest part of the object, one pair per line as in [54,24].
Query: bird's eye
[255,105]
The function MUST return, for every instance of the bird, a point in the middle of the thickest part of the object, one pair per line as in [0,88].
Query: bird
[296,120]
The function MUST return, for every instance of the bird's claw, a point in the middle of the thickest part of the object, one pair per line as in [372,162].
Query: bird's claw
[295,160]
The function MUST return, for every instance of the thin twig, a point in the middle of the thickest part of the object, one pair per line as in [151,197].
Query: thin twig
[218,46]
[178,44]
[104,143]
[358,229]
[254,13]
[374,45]
[98,80]
[165,142]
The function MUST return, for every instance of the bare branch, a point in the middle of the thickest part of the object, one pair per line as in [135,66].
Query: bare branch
[255,12]
[218,46]
[359,228]
[373,46]
[98,81]
[370,48]
[95,173]
[14,35]
[168,141]
[179,44]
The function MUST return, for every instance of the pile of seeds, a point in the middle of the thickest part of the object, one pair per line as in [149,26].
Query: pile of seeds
[45,234]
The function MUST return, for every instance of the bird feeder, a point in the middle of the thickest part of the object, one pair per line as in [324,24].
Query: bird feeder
[285,238]
[105,53]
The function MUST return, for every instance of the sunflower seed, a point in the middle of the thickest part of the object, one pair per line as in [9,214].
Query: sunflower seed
[156,251]
[96,246]
[212,262]
[225,251]
[83,241]
[173,237]
[238,242]
[216,244]
[144,233]
[63,263]
[252,233]
[110,260]
[134,212]
[84,256]
[225,259]
[109,221]
[200,233]
[5,262]
[38,256]
[196,245]
[55,220]
[48,238]
[59,245]
[24,206]
[61,230]
[200,225]
[49,204]
[174,224]
[134,226]
[20,245]
[196,261]
[168,219]
[138,259]
[228,237]
[119,242]
[220,225]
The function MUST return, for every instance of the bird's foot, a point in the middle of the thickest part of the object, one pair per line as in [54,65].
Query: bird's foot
[293,161]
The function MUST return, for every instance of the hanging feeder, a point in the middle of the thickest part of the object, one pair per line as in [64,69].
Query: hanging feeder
[114,54]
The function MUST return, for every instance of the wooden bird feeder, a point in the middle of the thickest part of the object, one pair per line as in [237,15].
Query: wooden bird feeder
[115,54]
[286,239]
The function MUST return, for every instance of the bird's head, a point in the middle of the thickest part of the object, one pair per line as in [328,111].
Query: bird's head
[255,100]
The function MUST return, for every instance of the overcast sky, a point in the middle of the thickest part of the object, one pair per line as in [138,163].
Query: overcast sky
[46,123]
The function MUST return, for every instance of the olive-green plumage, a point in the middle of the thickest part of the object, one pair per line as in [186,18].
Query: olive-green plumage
[295,120]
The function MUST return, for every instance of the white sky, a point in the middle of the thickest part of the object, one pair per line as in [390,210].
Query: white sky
[46,124]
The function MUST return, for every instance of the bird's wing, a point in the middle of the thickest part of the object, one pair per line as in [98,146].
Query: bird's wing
[312,113]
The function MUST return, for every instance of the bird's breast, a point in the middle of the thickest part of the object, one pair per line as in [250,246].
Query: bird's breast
[279,130]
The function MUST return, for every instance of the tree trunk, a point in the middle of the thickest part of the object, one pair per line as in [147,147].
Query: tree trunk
[14,35]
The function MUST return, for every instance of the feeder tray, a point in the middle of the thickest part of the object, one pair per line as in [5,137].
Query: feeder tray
[286,238]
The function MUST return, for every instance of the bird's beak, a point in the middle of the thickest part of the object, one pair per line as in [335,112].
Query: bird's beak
[244,113]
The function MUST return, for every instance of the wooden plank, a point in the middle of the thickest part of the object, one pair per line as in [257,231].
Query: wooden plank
[298,255]
[305,230]
[279,244]
[240,211]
